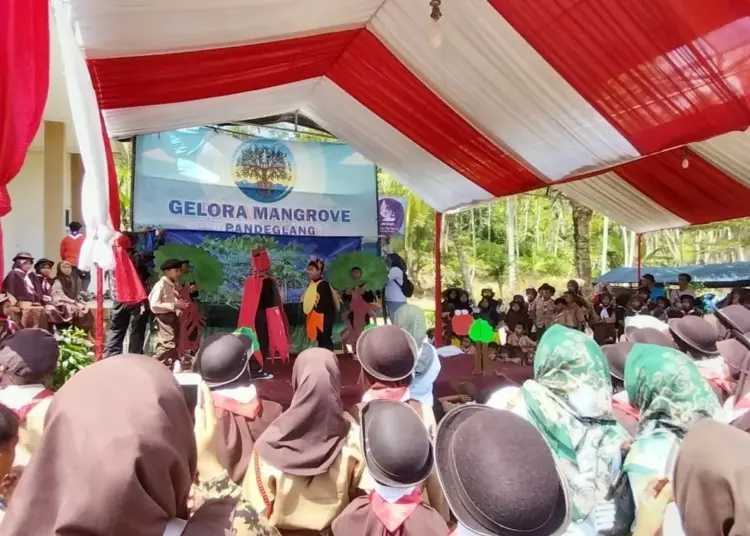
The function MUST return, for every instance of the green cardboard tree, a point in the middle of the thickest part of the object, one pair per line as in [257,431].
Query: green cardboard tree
[481,331]
[205,269]
[374,270]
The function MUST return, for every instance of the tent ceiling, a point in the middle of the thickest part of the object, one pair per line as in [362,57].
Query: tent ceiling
[520,95]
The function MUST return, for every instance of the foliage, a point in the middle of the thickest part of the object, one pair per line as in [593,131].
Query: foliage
[374,270]
[233,253]
[75,354]
[205,269]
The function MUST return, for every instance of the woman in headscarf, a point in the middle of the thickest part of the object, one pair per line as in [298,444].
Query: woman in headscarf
[25,292]
[667,389]
[711,480]
[411,319]
[570,403]
[307,464]
[27,360]
[118,458]
[65,290]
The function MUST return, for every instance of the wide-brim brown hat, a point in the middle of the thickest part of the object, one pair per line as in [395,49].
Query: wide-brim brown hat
[617,356]
[696,333]
[734,317]
[649,336]
[499,475]
[722,332]
[23,256]
[735,356]
[387,353]
[30,354]
[398,450]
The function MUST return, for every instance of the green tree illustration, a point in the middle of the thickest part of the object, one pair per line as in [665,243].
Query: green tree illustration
[265,166]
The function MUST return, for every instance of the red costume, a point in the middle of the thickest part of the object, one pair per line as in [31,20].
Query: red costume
[263,311]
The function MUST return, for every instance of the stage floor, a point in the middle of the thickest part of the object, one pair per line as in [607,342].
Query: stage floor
[454,370]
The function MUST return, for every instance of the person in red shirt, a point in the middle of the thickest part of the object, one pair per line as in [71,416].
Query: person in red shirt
[70,250]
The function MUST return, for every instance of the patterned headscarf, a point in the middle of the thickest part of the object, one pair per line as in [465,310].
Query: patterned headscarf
[570,402]
[671,395]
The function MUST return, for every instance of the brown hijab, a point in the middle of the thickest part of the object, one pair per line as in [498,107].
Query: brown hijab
[117,458]
[712,480]
[308,437]
[239,427]
[70,284]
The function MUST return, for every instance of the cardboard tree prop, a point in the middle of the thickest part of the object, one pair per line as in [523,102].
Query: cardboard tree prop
[461,323]
[263,311]
[359,293]
[481,334]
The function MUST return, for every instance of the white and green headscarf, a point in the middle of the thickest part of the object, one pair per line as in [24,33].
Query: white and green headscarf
[570,402]
[670,393]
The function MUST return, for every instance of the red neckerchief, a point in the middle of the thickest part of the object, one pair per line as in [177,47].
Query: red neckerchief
[627,409]
[381,392]
[250,411]
[24,411]
[722,384]
[394,515]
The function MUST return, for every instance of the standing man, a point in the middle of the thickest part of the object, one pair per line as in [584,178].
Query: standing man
[70,250]
[648,281]
[135,316]
[683,288]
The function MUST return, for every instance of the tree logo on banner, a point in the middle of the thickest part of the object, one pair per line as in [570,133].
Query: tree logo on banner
[264,170]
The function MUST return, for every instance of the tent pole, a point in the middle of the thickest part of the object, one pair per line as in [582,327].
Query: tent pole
[438,282]
[99,347]
[639,256]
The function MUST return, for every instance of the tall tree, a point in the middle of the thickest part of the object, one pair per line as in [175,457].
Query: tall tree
[510,234]
[581,239]
[454,235]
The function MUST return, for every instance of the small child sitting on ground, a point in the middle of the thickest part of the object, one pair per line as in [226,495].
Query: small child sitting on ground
[524,347]
[467,346]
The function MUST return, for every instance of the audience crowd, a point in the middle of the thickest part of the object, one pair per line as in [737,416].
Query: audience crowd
[610,440]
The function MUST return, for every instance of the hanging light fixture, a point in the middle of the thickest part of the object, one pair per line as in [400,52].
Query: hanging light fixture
[685,161]
[434,33]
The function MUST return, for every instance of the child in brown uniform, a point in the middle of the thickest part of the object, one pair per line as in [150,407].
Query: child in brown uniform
[166,306]
[399,456]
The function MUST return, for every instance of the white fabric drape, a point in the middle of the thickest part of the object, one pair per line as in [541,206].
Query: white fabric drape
[261,103]
[159,26]
[609,195]
[488,73]
[436,183]
[84,108]
[728,152]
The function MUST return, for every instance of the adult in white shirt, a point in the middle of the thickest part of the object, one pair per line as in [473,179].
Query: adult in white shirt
[394,293]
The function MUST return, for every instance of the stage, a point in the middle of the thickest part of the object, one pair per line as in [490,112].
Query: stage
[454,370]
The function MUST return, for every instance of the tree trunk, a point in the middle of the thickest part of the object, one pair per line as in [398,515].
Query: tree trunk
[510,233]
[605,244]
[582,239]
[453,236]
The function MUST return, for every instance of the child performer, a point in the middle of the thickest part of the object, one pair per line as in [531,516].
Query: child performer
[166,305]
[320,305]
[520,342]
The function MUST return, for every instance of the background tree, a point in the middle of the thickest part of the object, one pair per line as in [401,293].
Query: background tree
[265,166]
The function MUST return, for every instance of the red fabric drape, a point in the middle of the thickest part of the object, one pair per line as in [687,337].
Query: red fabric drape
[700,193]
[24,83]
[373,75]
[201,74]
[664,73]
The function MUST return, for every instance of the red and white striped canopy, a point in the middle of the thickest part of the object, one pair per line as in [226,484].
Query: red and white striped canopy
[602,99]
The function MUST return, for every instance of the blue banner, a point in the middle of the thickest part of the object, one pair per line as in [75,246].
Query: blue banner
[203,179]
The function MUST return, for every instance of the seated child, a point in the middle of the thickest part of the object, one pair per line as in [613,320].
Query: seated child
[466,346]
[605,320]
[661,306]
[522,345]
[8,440]
[688,306]
[399,456]
[494,350]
